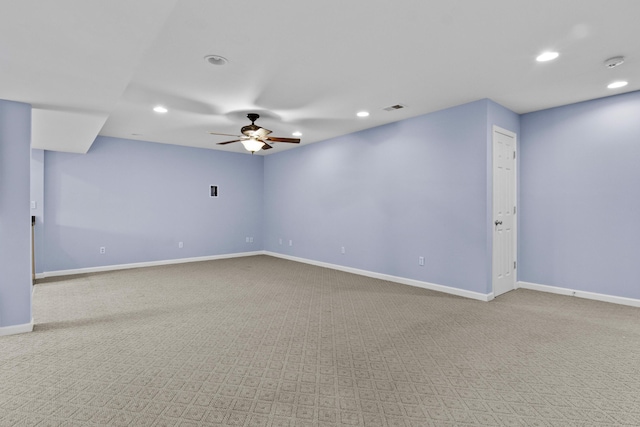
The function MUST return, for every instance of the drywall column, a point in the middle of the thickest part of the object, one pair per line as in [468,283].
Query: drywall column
[15,219]
[37,205]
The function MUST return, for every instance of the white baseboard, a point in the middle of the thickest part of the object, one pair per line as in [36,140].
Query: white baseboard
[411,282]
[142,264]
[16,329]
[580,294]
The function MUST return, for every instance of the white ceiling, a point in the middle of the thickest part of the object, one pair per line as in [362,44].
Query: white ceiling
[99,67]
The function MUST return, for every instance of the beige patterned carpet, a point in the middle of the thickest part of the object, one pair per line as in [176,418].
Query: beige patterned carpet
[261,341]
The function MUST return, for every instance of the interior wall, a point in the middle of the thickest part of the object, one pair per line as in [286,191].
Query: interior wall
[37,205]
[580,196]
[389,195]
[15,219]
[140,199]
[419,187]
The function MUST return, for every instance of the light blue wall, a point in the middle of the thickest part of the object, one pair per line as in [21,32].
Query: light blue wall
[580,196]
[37,197]
[419,187]
[15,219]
[389,195]
[139,199]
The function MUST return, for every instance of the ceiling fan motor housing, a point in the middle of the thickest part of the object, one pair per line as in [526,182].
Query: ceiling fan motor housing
[249,129]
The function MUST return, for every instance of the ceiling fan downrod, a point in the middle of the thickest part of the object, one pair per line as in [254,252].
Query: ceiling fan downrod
[253,117]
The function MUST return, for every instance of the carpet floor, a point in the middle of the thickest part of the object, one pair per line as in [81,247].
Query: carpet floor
[261,341]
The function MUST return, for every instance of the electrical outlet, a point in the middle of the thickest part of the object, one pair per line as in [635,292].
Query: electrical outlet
[290,242]
[34,204]
[342,251]
[180,245]
[421,261]
[280,241]
[103,250]
[250,239]
[246,240]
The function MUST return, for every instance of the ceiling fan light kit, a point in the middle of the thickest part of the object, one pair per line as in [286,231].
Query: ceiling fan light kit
[255,138]
[252,145]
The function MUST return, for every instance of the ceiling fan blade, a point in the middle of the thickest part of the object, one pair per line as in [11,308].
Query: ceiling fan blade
[278,139]
[266,146]
[224,134]
[229,142]
[261,133]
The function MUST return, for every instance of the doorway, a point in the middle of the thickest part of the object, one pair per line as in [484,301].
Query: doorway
[504,211]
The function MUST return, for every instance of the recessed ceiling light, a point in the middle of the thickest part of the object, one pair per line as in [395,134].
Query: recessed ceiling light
[160,109]
[216,60]
[616,85]
[296,133]
[547,56]
[363,114]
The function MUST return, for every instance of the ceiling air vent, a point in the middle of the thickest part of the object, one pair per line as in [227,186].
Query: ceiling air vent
[614,62]
[395,107]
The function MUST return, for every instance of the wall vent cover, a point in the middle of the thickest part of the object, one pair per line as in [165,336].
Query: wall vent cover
[395,107]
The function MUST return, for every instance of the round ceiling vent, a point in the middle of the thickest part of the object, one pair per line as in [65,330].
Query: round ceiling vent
[216,59]
[614,62]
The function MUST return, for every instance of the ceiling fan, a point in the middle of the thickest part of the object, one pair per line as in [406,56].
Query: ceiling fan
[255,138]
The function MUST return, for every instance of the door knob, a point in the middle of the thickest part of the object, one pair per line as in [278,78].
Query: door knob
[498,222]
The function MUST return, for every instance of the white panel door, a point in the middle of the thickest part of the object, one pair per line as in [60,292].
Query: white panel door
[504,211]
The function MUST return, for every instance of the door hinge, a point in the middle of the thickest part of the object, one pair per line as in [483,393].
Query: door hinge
[514,209]
[514,265]
[514,154]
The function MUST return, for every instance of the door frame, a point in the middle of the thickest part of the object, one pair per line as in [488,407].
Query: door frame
[496,129]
